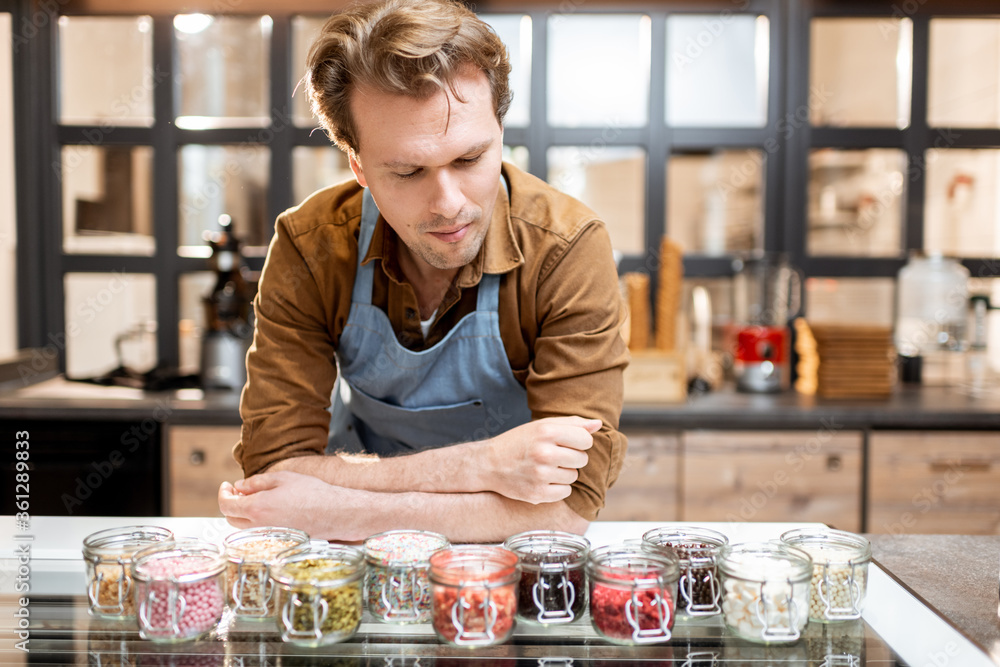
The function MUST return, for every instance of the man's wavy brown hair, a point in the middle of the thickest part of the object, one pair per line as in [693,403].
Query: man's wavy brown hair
[406,47]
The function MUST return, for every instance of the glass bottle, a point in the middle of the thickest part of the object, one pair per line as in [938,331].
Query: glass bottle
[698,551]
[765,591]
[633,592]
[840,572]
[397,582]
[320,596]
[179,589]
[249,552]
[108,555]
[552,588]
[474,589]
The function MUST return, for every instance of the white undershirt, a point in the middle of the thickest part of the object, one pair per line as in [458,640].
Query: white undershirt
[425,325]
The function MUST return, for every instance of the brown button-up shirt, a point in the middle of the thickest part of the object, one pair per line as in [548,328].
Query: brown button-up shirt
[560,317]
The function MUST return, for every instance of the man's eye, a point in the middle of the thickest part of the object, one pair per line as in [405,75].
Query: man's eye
[409,174]
[470,160]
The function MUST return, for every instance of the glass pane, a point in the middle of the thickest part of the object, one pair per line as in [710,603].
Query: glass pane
[100,308]
[224,64]
[305,30]
[516,155]
[8,205]
[515,32]
[107,200]
[964,73]
[622,99]
[961,214]
[193,288]
[717,70]
[316,168]
[611,181]
[851,300]
[223,179]
[106,71]
[856,202]
[860,72]
[715,201]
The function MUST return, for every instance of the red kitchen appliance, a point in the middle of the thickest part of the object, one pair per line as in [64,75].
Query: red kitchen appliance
[767,294]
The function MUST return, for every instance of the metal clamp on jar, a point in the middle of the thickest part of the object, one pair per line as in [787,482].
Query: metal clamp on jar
[249,553]
[552,589]
[765,590]
[320,593]
[840,572]
[108,554]
[179,592]
[633,592]
[474,594]
[397,584]
[698,551]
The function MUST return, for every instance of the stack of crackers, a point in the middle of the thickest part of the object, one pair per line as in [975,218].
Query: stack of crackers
[845,360]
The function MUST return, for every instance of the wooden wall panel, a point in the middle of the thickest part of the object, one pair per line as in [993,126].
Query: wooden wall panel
[646,489]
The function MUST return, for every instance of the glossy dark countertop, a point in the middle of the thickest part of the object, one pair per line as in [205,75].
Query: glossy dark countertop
[909,407]
[957,575]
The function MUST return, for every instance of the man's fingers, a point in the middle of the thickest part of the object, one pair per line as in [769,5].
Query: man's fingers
[261,482]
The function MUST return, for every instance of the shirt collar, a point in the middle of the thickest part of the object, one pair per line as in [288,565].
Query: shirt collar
[499,254]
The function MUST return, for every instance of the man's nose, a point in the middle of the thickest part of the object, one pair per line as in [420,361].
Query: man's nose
[447,198]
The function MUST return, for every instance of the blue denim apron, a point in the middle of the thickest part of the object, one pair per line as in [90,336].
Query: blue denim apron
[391,400]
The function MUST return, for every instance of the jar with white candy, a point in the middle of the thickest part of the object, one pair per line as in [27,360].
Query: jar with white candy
[765,590]
[840,571]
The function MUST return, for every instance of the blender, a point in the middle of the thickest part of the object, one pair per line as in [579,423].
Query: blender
[767,294]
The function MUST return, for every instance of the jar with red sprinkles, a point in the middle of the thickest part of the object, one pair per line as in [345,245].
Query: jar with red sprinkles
[633,592]
[178,589]
[474,590]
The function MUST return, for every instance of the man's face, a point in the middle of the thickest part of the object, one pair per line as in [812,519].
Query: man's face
[433,175]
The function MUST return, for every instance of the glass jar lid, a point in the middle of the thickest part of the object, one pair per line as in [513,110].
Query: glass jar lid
[549,549]
[765,561]
[634,563]
[319,565]
[121,542]
[474,564]
[259,545]
[830,545]
[690,542]
[180,561]
[403,548]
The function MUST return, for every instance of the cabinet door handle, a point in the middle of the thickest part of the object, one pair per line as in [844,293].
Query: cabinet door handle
[197,457]
[834,462]
[960,466]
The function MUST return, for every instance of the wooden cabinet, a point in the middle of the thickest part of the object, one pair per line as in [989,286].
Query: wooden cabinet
[934,482]
[772,476]
[646,489]
[199,459]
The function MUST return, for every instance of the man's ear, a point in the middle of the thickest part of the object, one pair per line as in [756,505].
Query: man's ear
[359,173]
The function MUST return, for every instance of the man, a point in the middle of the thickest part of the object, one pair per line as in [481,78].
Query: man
[468,312]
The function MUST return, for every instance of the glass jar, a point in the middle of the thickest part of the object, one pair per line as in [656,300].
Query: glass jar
[840,572]
[397,584]
[249,552]
[633,592]
[765,590]
[474,589]
[552,588]
[108,556]
[698,551]
[319,590]
[178,589]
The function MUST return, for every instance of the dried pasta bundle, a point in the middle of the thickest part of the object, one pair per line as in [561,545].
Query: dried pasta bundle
[668,294]
[637,295]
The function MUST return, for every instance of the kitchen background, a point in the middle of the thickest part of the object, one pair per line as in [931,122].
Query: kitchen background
[844,134]
[848,136]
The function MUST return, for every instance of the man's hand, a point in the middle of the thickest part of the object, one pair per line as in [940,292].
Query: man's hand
[538,461]
[292,500]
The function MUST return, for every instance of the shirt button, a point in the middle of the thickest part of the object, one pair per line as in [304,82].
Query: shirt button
[410,313]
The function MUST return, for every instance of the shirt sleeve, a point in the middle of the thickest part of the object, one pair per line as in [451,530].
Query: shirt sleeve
[291,367]
[580,355]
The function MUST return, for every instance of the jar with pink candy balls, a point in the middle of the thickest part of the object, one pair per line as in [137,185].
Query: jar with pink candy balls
[179,589]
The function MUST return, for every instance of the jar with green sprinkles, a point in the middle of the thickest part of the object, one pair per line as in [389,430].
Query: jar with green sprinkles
[320,598]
